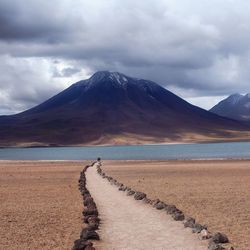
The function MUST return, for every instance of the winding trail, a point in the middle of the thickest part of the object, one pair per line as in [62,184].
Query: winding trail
[130,224]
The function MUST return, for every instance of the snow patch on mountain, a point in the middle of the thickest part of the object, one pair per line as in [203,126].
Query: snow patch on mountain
[118,78]
[115,77]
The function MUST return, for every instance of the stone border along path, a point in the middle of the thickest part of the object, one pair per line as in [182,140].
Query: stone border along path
[171,235]
[90,217]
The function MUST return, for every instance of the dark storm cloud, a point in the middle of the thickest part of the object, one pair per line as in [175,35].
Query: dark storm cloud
[34,20]
[190,46]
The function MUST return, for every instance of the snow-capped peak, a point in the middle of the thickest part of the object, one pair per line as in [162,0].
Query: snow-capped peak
[117,80]
[115,77]
[118,77]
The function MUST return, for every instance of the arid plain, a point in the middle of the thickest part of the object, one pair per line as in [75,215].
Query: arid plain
[41,206]
[215,192]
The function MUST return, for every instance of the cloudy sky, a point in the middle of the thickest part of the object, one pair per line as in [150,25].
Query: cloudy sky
[200,50]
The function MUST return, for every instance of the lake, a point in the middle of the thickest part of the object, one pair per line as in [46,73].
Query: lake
[232,150]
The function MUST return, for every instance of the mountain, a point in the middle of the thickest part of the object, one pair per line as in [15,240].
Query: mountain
[112,108]
[235,106]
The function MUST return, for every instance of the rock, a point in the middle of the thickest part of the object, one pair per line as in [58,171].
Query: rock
[110,178]
[85,168]
[88,200]
[90,212]
[93,223]
[122,188]
[93,226]
[78,245]
[154,202]
[81,244]
[204,234]
[89,248]
[178,216]
[171,209]
[190,222]
[91,218]
[85,196]
[214,246]
[85,193]
[160,205]
[131,192]
[91,206]
[198,228]
[139,196]
[146,200]
[88,234]
[220,238]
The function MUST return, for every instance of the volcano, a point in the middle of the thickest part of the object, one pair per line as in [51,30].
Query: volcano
[112,108]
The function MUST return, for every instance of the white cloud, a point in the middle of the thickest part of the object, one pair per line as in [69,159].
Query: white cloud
[26,82]
[206,102]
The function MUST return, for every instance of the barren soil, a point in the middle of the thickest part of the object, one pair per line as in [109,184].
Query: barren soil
[216,193]
[128,224]
[40,205]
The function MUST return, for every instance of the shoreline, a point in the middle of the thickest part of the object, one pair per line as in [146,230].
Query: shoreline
[212,141]
[210,151]
[131,160]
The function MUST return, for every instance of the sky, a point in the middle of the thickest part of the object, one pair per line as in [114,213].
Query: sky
[200,50]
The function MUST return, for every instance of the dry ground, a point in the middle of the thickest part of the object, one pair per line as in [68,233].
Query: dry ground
[40,205]
[127,224]
[216,193]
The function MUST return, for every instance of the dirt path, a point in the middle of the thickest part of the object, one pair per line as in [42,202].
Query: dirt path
[129,224]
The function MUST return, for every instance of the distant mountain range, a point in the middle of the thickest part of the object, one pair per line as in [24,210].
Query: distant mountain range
[235,106]
[112,108]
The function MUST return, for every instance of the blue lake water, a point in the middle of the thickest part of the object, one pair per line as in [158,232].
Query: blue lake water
[235,150]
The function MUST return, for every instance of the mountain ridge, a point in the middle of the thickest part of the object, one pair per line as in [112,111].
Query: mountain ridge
[236,106]
[112,108]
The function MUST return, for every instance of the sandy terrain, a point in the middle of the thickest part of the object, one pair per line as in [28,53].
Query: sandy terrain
[138,139]
[40,205]
[216,193]
[128,224]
